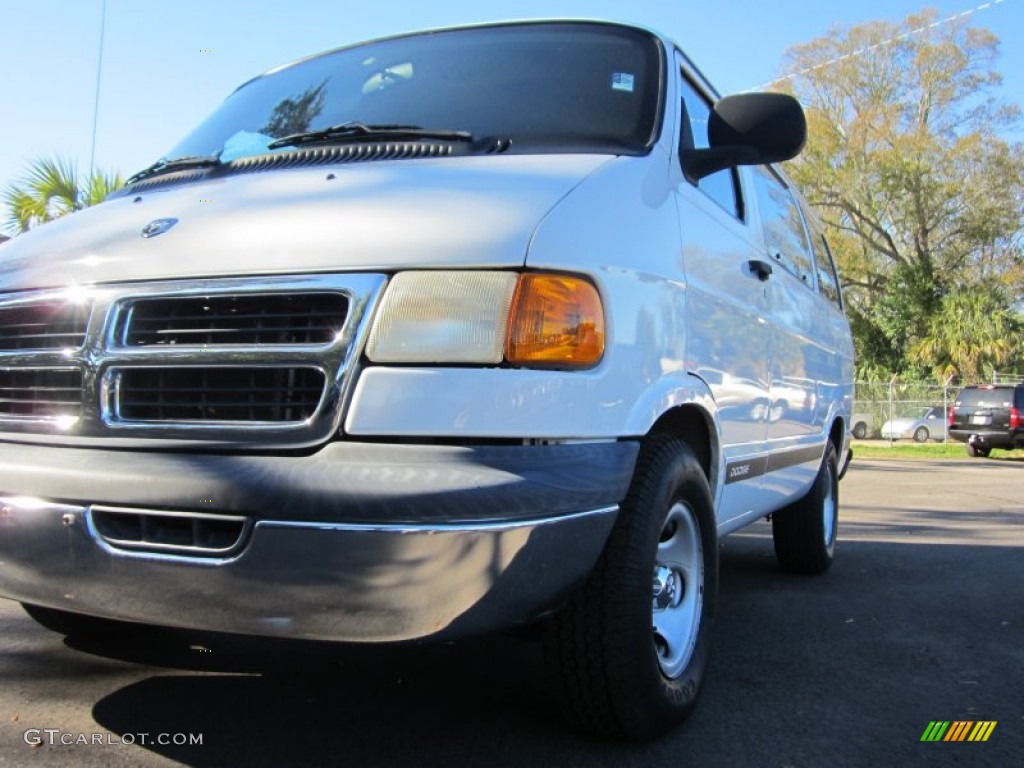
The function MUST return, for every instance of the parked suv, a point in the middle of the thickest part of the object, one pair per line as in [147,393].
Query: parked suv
[432,336]
[987,417]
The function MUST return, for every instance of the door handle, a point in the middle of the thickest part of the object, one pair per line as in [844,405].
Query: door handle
[762,269]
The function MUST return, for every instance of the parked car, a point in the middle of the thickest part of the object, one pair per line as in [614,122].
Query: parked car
[921,424]
[433,336]
[987,417]
[862,423]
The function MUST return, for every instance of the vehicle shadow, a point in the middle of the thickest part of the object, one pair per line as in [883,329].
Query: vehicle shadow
[259,702]
[893,636]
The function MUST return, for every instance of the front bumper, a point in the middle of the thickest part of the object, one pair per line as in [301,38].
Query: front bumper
[359,542]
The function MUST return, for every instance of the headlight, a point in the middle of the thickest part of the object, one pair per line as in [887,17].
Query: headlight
[532,320]
[443,317]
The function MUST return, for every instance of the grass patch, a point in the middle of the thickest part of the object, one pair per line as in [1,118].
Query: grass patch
[878,449]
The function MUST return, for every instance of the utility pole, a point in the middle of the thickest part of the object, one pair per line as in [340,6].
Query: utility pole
[96,101]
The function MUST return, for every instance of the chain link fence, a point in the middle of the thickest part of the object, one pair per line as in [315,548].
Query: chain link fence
[909,410]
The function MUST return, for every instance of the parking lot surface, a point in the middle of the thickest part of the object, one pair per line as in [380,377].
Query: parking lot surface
[920,619]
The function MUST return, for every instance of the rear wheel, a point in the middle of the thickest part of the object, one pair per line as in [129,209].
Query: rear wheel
[860,430]
[805,532]
[630,649]
[981,451]
[921,435]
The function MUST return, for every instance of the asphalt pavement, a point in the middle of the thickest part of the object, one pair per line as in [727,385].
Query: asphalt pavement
[920,619]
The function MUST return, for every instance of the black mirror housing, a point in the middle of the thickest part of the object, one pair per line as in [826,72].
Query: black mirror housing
[749,129]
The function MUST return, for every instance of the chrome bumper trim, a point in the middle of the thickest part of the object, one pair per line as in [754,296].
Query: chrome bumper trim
[406,528]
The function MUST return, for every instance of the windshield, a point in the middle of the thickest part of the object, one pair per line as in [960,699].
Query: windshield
[545,87]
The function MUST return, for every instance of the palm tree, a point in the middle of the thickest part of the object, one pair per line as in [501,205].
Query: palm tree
[973,332]
[52,188]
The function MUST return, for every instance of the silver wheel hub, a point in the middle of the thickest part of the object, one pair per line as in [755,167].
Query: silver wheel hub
[666,588]
[677,590]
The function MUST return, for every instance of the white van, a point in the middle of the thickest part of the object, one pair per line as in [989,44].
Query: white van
[432,336]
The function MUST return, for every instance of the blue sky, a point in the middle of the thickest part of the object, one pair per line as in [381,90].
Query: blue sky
[168,63]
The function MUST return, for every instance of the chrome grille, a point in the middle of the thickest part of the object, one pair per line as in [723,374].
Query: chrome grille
[191,395]
[43,325]
[260,363]
[288,318]
[41,393]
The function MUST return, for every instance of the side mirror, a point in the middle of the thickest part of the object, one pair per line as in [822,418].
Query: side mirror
[749,129]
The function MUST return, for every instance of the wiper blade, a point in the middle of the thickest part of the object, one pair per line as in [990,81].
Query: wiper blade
[177,164]
[352,131]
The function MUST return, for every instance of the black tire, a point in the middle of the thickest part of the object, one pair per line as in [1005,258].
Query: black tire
[75,624]
[616,676]
[860,430]
[921,435]
[805,531]
[978,451]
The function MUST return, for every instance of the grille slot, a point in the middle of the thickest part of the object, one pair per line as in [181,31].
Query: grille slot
[40,392]
[285,318]
[189,533]
[43,325]
[219,394]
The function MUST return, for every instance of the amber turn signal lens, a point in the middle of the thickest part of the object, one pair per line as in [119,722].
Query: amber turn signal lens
[556,321]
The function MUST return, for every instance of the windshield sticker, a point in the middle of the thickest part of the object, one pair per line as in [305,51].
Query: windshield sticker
[623,81]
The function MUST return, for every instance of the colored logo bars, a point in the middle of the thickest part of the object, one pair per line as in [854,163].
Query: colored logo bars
[959,730]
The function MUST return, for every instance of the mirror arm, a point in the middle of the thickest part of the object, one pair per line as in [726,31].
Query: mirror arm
[699,163]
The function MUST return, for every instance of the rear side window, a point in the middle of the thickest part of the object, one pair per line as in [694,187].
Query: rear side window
[784,231]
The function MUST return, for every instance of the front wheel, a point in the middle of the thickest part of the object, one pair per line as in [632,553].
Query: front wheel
[630,649]
[921,435]
[805,532]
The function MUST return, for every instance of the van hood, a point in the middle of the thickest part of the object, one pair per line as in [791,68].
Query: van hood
[456,212]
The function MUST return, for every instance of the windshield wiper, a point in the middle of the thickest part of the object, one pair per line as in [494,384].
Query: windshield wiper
[177,164]
[352,131]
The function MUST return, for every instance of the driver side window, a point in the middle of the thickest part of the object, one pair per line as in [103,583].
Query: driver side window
[722,187]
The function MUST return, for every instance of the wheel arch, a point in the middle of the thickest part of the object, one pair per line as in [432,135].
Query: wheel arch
[696,426]
[837,434]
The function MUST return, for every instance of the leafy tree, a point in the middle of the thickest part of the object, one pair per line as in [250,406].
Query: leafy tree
[296,115]
[907,166]
[52,188]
